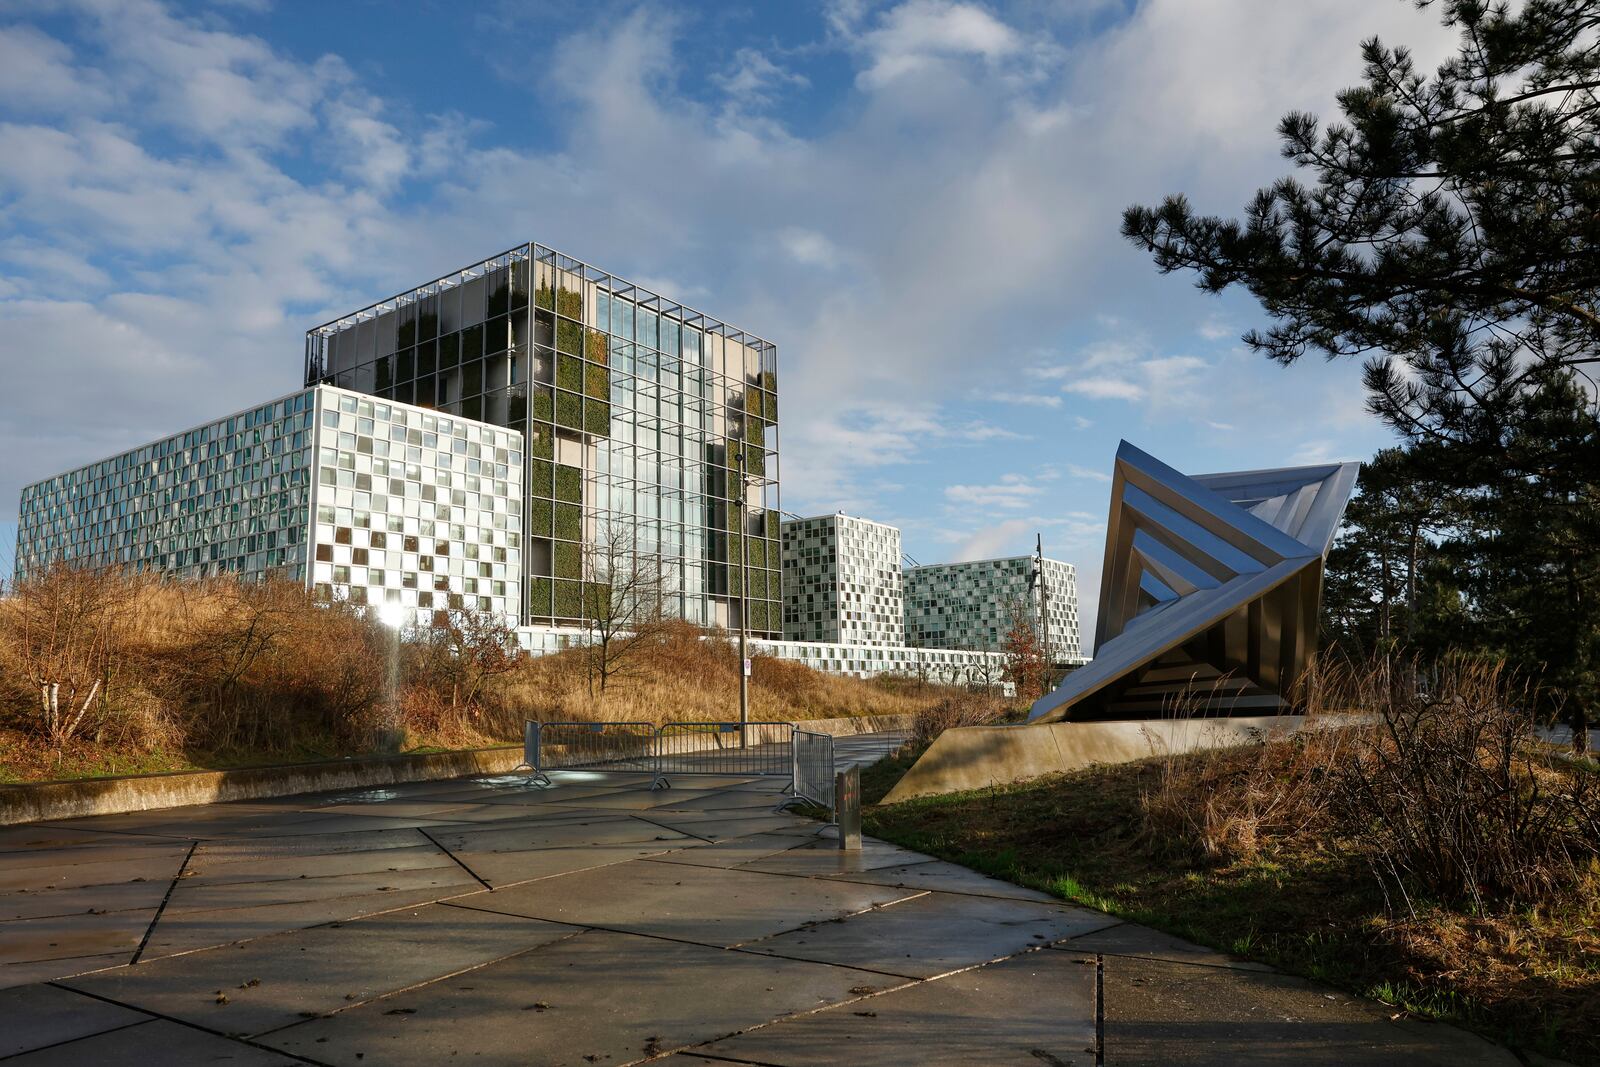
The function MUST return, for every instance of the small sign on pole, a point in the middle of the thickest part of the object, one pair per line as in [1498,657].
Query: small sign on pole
[747,667]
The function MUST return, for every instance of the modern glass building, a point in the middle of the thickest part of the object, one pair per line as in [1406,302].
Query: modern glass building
[646,422]
[841,581]
[374,502]
[973,605]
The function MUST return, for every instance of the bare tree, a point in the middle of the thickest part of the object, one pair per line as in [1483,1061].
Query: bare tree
[625,600]
[68,623]
[984,672]
[461,651]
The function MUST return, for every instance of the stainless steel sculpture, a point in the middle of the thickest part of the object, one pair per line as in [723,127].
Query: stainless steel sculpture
[1210,591]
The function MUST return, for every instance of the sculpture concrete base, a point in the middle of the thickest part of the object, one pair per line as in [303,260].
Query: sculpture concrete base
[977,757]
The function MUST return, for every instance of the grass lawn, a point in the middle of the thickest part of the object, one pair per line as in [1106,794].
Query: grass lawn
[1530,979]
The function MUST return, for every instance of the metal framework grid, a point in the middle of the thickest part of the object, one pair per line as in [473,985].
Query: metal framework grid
[1210,591]
[687,510]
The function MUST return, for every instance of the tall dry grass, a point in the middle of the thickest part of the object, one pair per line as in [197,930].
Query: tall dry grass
[143,665]
[1434,776]
[686,675]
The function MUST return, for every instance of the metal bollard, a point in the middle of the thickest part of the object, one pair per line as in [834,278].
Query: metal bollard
[847,808]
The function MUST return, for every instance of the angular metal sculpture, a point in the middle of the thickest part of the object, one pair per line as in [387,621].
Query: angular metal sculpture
[1209,594]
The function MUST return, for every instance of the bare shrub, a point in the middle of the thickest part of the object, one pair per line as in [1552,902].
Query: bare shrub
[957,709]
[1453,795]
[456,657]
[1223,804]
[64,633]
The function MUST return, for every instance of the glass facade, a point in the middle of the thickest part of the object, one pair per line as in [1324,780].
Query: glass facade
[638,414]
[970,605]
[416,512]
[372,502]
[842,581]
[230,497]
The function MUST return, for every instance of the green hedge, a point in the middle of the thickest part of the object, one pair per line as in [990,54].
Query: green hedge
[569,372]
[569,410]
[541,516]
[569,484]
[569,522]
[540,474]
[568,600]
[568,560]
[539,596]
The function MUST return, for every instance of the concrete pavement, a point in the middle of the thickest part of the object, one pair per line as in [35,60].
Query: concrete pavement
[597,922]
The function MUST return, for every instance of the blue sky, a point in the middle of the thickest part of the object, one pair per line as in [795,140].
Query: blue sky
[916,200]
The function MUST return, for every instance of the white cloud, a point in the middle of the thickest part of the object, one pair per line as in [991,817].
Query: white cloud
[755,79]
[1038,400]
[37,72]
[1010,493]
[1105,388]
[971,189]
[808,246]
[1088,473]
[916,35]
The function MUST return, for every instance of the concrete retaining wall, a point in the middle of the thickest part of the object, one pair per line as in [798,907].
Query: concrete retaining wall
[107,796]
[39,801]
[976,757]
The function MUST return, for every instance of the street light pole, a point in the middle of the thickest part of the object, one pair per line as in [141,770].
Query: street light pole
[744,599]
[1044,610]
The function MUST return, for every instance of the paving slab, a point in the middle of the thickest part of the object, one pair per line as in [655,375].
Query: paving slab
[42,1015]
[65,936]
[724,801]
[1164,1014]
[509,868]
[731,852]
[606,998]
[153,1042]
[532,834]
[277,981]
[204,929]
[320,844]
[36,837]
[944,877]
[640,800]
[320,825]
[210,869]
[934,934]
[15,974]
[1034,1010]
[82,900]
[189,821]
[1127,939]
[443,877]
[719,826]
[70,870]
[709,906]
[821,858]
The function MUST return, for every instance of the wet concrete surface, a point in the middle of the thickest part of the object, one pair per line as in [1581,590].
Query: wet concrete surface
[598,922]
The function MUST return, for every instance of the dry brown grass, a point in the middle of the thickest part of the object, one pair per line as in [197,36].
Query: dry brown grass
[216,673]
[1428,851]
[687,676]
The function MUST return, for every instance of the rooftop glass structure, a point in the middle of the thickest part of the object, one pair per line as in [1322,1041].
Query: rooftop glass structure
[638,413]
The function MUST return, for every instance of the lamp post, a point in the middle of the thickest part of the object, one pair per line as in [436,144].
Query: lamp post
[744,601]
[1044,610]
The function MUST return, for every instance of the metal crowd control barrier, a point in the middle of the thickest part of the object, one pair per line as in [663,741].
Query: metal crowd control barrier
[751,749]
[756,748]
[610,746]
[813,768]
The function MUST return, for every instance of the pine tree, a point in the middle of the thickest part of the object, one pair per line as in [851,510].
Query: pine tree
[1447,234]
